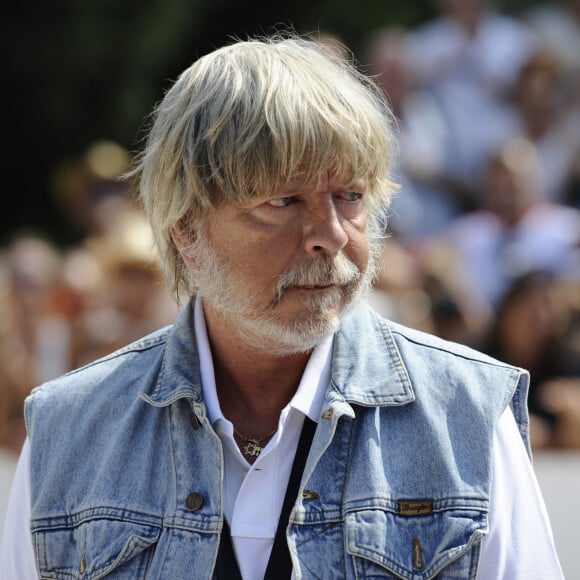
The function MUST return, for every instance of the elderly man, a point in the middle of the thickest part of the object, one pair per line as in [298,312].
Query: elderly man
[280,428]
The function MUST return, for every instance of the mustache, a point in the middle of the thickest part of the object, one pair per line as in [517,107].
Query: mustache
[324,271]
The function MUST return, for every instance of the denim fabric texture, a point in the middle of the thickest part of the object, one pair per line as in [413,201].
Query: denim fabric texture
[126,470]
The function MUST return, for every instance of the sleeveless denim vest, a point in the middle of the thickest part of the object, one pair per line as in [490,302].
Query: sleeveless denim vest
[126,470]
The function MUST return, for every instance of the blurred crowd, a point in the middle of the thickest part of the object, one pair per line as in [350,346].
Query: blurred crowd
[61,308]
[482,246]
[484,241]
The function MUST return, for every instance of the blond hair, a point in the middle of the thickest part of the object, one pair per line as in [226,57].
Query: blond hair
[243,120]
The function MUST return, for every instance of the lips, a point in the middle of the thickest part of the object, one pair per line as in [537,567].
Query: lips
[315,287]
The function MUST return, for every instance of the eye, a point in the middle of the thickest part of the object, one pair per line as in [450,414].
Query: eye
[351,195]
[281,201]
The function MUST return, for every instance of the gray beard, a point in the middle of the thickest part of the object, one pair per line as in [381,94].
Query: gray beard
[257,326]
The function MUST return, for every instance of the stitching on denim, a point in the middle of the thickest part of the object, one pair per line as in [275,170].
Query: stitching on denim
[452,503]
[160,337]
[457,553]
[394,353]
[133,545]
[460,351]
[169,410]
[381,559]
[109,513]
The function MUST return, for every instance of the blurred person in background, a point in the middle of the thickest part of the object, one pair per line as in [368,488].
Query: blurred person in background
[113,270]
[428,201]
[557,29]
[544,115]
[88,190]
[35,335]
[280,428]
[537,326]
[468,58]
[425,287]
[517,230]
[65,308]
[556,26]
[125,299]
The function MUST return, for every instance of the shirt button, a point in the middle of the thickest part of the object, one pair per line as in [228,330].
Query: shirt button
[195,422]
[194,502]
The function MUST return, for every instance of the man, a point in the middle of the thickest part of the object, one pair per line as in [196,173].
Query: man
[280,428]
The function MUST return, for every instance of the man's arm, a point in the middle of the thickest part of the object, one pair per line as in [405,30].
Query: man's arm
[520,544]
[16,552]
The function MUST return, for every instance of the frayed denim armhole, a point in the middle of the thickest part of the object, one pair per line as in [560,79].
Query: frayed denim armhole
[519,406]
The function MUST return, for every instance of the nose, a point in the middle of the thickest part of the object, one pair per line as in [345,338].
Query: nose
[324,232]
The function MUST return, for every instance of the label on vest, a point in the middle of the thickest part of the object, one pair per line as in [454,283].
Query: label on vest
[415,507]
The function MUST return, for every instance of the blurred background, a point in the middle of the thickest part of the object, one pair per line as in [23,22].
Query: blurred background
[483,239]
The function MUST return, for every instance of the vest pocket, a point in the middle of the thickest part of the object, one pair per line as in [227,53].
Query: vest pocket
[95,549]
[443,544]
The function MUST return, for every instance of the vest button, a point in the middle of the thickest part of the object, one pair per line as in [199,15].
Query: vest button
[195,422]
[194,502]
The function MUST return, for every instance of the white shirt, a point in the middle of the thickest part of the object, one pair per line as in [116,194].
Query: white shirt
[254,493]
[519,545]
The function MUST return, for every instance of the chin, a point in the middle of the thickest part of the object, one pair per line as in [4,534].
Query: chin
[294,333]
[302,338]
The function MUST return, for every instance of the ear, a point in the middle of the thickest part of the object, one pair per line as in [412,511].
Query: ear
[183,237]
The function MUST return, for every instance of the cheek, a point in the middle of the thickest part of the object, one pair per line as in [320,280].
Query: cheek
[273,251]
[358,249]
[259,262]
[362,259]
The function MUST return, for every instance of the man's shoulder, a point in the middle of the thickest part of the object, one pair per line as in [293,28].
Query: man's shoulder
[119,371]
[418,339]
[410,339]
[403,363]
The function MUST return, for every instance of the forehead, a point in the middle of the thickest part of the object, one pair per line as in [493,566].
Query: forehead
[327,182]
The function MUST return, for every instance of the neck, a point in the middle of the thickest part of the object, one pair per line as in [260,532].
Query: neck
[253,386]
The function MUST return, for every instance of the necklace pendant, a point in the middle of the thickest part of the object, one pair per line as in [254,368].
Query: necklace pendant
[253,448]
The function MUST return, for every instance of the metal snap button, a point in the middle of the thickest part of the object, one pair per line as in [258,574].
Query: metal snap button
[194,502]
[327,414]
[195,422]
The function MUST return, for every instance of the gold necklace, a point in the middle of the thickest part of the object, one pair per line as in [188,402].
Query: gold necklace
[252,446]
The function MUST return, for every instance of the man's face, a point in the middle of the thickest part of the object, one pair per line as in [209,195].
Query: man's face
[281,269]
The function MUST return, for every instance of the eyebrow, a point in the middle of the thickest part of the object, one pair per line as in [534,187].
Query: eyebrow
[296,189]
[293,190]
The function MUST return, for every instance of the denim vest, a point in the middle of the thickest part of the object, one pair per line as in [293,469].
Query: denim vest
[126,470]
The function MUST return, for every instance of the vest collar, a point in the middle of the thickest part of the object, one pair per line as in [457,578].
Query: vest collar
[367,368]
[179,375]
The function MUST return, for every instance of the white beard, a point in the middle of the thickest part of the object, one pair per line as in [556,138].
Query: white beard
[257,325]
